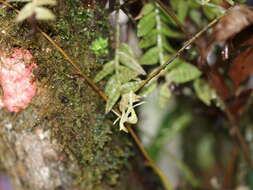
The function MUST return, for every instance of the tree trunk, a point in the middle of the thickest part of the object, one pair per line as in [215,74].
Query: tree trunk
[63,140]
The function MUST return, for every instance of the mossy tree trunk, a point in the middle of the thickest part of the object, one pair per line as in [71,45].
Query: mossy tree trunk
[63,140]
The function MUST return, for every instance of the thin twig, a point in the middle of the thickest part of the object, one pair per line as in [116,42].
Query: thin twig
[231,167]
[151,163]
[173,16]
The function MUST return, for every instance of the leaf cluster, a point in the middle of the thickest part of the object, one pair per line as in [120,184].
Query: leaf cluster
[35,7]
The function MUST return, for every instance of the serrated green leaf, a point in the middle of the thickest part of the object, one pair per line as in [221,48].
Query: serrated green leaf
[165,30]
[126,57]
[184,72]
[204,92]
[126,49]
[125,74]
[151,57]
[108,68]
[112,91]
[175,64]
[148,41]
[167,46]
[165,18]
[182,10]
[212,12]
[146,24]
[147,8]
[130,86]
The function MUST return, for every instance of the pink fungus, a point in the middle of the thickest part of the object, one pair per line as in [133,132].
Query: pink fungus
[16,79]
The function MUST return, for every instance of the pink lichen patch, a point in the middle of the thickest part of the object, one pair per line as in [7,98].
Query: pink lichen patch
[16,79]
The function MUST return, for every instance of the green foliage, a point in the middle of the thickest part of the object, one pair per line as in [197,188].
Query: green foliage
[123,71]
[154,34]
[204,92]
[156,30]
[183,72]
[100,46]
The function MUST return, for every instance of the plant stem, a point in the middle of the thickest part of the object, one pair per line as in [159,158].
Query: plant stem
[117,40]
[159,36]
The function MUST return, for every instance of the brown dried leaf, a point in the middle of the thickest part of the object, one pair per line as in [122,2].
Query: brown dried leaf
[218,83]
[234,21]
[242,66]
[237,104]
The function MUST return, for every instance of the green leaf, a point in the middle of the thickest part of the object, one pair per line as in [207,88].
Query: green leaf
[165,94]
[196,16]
[174,4]
[231,2]
[99,46]
[108,68]
[147,8]
[165,30]
[126,49]
[126,57]
[146,24]
[204,92]
[151,57]
[126,74]
[130,86]
[167,46]
[182,10]
[184,72]
[175,64]
[148,41]
[165,18]
[112,91]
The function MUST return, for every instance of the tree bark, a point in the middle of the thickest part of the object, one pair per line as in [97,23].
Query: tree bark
[63,140]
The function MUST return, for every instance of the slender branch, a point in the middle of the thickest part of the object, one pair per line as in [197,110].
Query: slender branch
[231,167]
[173,16]
[151,163]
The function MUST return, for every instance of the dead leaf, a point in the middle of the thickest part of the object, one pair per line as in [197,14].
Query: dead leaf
[242,67]
[237,104]
[234,21]
[218,83]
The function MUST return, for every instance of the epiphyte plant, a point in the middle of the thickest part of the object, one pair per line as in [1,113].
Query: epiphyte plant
[35,8]
[126,107]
